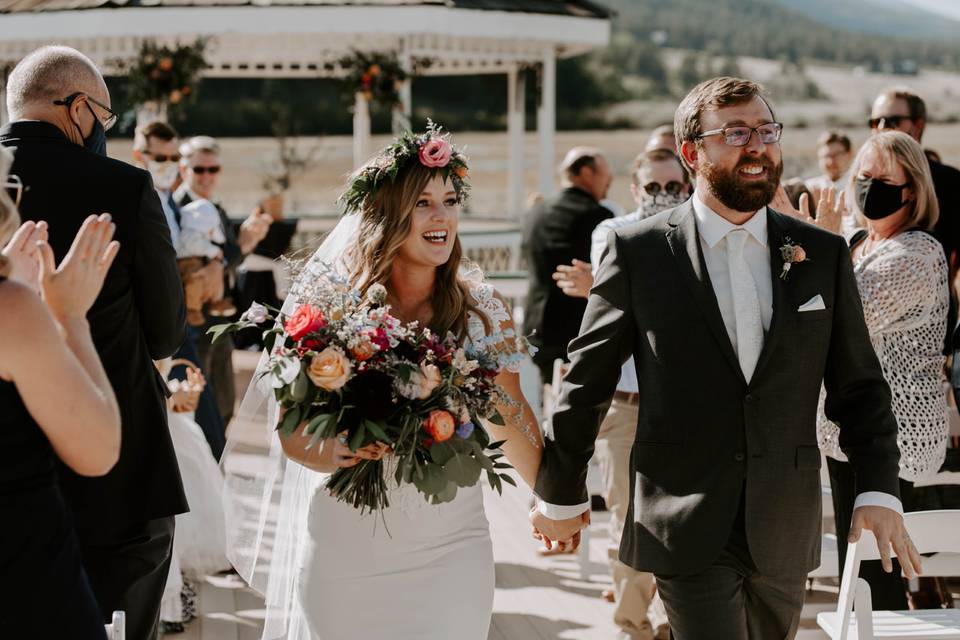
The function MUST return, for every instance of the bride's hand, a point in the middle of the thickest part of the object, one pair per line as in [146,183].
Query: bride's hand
[335,452]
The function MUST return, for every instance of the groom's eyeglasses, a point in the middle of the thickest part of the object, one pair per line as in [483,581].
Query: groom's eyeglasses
[740,136]
[14,186]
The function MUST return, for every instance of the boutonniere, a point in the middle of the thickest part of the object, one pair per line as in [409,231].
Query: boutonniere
[792,254]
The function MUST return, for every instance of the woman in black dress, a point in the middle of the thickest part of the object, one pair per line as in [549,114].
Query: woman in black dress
[55,401]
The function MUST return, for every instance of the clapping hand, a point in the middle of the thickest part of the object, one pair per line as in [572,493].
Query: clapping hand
[564,533]
[23,253]
[889,530]
[253,230]
[830,208]
[574,279]
[70,289]
[186,395]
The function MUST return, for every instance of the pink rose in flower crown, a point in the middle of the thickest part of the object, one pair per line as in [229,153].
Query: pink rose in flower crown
[436,153]
[306,319]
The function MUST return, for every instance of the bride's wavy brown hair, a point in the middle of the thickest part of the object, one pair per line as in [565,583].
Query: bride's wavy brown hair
[385,222]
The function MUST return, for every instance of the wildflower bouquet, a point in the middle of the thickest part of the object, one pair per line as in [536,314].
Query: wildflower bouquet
[342,362]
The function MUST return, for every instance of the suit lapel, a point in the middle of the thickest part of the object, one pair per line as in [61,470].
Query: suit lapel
[685,245]
[775,239]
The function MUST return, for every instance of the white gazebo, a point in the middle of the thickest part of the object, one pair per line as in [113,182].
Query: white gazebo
[298,38]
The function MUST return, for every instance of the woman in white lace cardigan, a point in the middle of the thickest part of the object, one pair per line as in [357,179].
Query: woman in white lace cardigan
[901,273]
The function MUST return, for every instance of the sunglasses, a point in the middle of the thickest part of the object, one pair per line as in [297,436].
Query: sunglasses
[673,188]
[111,118]
[162,157]
[214,170]
[888,122]
[14,185]
[740,136]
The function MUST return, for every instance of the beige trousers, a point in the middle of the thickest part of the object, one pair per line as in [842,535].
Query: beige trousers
[634,589]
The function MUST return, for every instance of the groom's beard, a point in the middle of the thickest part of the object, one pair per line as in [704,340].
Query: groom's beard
[738,194]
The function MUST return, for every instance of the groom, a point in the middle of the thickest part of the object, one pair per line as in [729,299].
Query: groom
[732,339]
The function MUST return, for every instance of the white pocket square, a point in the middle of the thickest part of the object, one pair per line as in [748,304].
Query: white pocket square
[813,304]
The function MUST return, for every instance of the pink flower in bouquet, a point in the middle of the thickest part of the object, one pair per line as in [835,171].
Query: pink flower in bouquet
[330,369]
[440,425]
[306,319]
[429,379]
[435,153]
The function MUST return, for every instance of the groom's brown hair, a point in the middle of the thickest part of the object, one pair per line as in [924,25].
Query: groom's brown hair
[715,93]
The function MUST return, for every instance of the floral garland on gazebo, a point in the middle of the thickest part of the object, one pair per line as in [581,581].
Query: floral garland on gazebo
[164,75]
[377,76]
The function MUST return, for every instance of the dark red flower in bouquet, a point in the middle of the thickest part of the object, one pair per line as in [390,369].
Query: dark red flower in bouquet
[371,393]
[440,425]
[304,320]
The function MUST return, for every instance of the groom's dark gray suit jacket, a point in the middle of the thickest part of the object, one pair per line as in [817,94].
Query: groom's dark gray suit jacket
[705,438]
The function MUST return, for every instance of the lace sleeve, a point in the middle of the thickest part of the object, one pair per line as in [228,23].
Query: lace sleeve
[501,336]
[901,289]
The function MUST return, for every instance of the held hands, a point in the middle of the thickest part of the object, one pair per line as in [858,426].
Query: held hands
[887,526]
[70,289]
[253,230]
[574,279]
[23,253]
[565,533]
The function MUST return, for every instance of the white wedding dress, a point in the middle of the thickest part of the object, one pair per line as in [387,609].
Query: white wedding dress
[417,571]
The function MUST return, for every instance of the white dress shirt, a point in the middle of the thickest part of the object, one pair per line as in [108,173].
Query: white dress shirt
[712,230]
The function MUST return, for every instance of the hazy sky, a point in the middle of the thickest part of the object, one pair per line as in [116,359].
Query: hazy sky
[946,7]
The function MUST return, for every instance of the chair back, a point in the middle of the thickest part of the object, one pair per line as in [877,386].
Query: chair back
[931,532]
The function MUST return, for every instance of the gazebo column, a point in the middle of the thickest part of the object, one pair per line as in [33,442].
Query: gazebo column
[403,114]
[516,100]
[361,130]
[547,120]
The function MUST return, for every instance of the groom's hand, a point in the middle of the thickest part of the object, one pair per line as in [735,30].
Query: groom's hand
[565,533]
[887,527]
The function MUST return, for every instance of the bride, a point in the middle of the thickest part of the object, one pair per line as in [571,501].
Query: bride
[416,570]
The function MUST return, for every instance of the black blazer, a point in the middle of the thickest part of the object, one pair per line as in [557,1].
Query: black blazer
[705,438]
[555,232]
[137,318]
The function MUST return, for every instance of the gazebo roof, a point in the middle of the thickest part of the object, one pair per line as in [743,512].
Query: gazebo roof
[299,38]
[579,8]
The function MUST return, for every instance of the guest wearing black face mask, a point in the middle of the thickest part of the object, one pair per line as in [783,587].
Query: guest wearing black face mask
[60,110]
[901,274]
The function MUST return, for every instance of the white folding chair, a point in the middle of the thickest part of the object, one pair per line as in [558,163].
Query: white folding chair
[935,532]
[117,629]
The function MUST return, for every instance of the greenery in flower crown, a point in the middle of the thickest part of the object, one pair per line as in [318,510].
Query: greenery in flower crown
[405,149]
[162,74]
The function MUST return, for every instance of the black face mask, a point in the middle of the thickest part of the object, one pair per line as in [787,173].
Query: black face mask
[878,200]
[96,142]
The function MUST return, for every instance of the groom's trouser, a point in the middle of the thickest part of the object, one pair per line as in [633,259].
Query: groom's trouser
[731,599]
[633,589]
[128,570]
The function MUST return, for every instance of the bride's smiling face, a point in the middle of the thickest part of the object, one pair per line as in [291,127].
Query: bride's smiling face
[433,225]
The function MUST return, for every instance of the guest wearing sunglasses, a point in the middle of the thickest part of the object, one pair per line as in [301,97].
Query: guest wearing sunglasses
[156,148]
[900,109]
[60,110]
[200,169]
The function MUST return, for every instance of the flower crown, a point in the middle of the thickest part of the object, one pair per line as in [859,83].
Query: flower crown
[432,149]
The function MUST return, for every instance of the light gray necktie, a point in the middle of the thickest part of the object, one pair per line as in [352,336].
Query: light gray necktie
[746,304]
